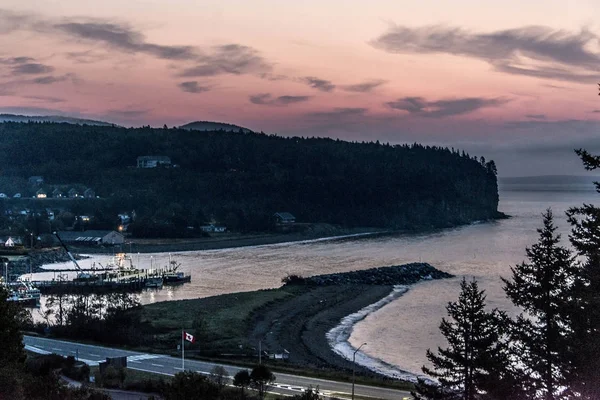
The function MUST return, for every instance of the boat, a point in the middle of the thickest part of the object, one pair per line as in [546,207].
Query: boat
[154,282]
[24,293]
[175,278]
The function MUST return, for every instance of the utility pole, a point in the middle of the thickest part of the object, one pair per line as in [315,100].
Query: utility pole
[353,365]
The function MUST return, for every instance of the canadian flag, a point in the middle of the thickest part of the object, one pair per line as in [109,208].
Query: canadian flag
[189,337]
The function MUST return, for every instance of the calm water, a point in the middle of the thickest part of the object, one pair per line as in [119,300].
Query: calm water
[400,332]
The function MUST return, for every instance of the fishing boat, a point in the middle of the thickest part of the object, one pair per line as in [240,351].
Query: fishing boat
[154,282]
[175,278]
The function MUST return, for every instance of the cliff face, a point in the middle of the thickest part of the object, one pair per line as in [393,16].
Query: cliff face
[241,179]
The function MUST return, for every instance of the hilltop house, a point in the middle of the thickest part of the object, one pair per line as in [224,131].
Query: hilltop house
[284,218]
[153,161]
[57,193]
[89,193]
[41,194]
[92,237]
[73,193]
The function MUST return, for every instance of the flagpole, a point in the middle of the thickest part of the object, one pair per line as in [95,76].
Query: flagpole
[182,351]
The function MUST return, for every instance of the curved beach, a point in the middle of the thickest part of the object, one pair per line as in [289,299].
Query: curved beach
[338,339]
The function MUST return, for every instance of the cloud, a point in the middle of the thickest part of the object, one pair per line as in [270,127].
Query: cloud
[123,38]
[46,99]
[193,87]
[50,79]
[85,57]
[225,59]
[536,116]
[11,21]
[531,50]
[16,60]
[268,100]
[31,69]
[364,87]
[596,111]
[319,84]
[442,108]
[337,113]
[228,59]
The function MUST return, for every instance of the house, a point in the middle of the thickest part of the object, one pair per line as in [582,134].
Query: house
[57,193]
[9,242]
[41,194]
[284,218]
[73,193]
[35,180]
[89,193]
[93,237]
[153,161]
[213,228]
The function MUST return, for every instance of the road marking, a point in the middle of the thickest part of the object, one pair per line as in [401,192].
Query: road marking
[143,357]
[72,351]
[95,355]
[54,348]
[178,368]
[137,362]
[158,365]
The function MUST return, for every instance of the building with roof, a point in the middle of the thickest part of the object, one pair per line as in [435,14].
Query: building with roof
[153,161]
[284,218]
[92,237]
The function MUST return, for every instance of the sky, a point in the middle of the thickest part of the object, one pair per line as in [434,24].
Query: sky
[511,80]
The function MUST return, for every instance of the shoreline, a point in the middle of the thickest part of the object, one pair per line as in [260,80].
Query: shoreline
[230,241]
[339,336]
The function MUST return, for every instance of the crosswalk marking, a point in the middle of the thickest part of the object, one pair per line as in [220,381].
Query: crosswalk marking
[143,357]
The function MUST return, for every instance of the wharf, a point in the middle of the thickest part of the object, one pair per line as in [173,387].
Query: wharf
[90,286]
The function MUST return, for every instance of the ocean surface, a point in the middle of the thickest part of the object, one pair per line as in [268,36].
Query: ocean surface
[399,331]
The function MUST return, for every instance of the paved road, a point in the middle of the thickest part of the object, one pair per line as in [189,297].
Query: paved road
[166,365]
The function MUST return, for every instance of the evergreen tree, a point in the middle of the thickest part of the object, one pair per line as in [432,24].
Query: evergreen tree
[542,287]
[474,366]
[585,238]
[12,319]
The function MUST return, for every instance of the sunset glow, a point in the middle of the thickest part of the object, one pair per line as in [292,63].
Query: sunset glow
[491,77]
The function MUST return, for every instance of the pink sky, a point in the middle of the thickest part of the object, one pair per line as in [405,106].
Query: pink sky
[497,78]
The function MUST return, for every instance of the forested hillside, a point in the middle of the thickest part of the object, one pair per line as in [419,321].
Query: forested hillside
[241,179]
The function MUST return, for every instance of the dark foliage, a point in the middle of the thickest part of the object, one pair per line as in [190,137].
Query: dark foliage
[585,238]
[543,289]
[261,377]
[241,179]
[475,365]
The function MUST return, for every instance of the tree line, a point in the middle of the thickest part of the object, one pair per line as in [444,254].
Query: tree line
[241,179]
[551,350]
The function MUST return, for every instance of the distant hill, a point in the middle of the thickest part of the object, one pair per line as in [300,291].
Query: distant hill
[240,180]
[51,118]
[214,126]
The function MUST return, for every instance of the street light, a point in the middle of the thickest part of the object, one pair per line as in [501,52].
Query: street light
[353,365]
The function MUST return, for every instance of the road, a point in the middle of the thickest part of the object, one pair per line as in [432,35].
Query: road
[166,365]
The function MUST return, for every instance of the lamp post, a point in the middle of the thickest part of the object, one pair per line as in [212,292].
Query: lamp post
[353,365]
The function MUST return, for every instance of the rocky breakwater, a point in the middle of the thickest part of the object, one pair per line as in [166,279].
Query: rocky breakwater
[406,274]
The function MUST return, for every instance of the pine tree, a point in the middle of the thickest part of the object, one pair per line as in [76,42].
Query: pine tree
[543,289]
[474,364]
[585,238]
[586,311]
